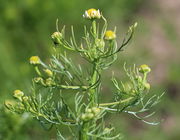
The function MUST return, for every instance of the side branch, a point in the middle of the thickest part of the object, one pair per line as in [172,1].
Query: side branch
[116,103]
[73,87]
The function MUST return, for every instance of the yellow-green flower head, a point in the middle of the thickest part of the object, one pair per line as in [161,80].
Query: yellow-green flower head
[10,104]
[56,37]
[49,82]
[133,91]
[18,94]
[48,72]
[38,79]
[138,78]
[100,43]
[92,14]
[96,110]
[35,60]
[147,86]
[88,110]
[89,116]
[107,130]
[83,116]
[25,98]
[109,35]
[144,68]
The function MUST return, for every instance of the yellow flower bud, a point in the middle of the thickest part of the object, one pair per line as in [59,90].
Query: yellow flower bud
[88,110]
[10,103]
[83,117]
[96,110]
[89,116]
[25,98]
[56,37]
[14,106]
[144,69]
[35,60]
[107,130]
[147,86]
[135,24]
[92,14]
[50,82]
[109,35]
[133,92]
[127,87]
[18,94]
[138,78]
[48,72]
[100,43]
[38,79]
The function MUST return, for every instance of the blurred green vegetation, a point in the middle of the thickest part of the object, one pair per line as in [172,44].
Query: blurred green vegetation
[25,29]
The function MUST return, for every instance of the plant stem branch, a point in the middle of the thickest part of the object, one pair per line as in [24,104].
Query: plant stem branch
[93,93]
[94,28]
[116,103]
[73,87]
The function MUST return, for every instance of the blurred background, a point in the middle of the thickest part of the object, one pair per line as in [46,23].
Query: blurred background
[25,29]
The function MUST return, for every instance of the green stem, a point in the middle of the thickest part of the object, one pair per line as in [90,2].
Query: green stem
[73,87]
[116,103]
[37,70]
[93,93]
[94,28]
[82,132]
[145,77]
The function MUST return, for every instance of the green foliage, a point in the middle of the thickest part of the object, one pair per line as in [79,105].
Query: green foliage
[24,31]
[48,102]
[11,124]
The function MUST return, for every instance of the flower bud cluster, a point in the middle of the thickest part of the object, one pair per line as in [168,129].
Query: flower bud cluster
[90,113]
[45,82]
[14,106]
[19,106]
[142,82]
[100,43]
[138,83]
[20,95]
[144,69]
